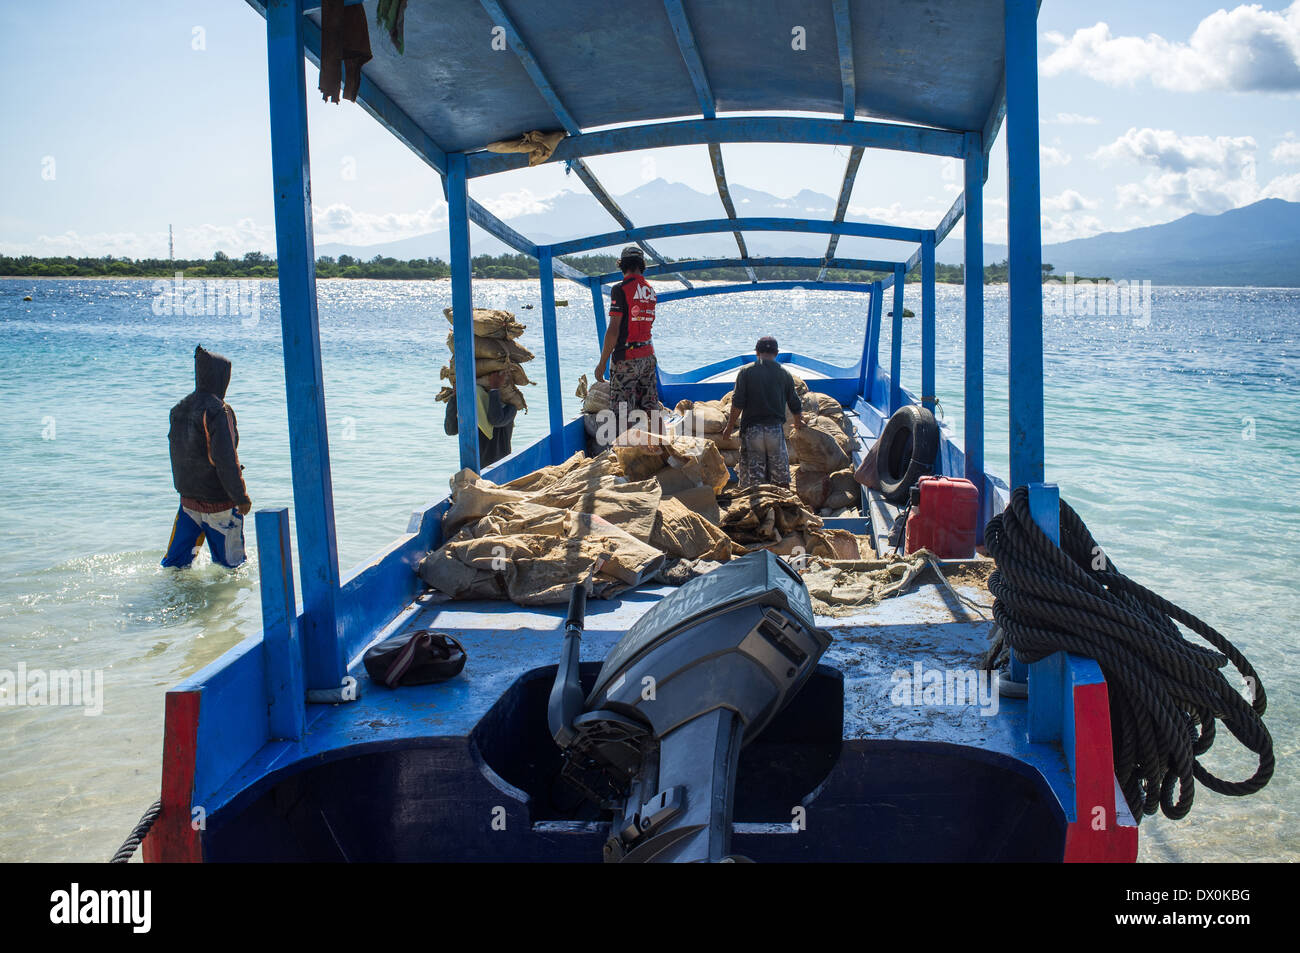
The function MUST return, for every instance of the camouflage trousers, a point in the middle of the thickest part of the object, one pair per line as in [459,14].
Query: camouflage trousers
[634,383]
[763,456]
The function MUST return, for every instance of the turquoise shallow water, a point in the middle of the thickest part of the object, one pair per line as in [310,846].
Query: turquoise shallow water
[1174,438]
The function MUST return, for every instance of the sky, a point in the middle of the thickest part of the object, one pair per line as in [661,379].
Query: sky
[122,118]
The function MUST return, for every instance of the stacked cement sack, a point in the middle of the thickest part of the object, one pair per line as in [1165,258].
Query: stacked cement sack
[821,455]
[495,349]
[707,419]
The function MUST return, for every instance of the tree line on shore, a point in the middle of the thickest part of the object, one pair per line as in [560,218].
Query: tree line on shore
[255,264]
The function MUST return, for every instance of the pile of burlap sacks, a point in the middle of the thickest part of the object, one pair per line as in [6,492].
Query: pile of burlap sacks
[496,348]
[651,508]
[821,452]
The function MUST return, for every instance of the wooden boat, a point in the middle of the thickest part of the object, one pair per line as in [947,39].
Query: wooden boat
[283,750]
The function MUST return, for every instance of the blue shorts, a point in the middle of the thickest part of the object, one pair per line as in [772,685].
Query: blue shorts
[224,531]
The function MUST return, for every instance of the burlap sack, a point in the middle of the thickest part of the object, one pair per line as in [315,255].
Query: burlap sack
[704,419]
[701,500]
[595,398]
[492,323]
[472,498]
[548,476]
[812,486]
[494,349]
[535,554]
[688,535]
[641,454]
[842,491]
[766,514]
[821,445]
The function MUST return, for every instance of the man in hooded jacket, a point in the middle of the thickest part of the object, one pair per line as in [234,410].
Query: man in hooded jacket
[206,472]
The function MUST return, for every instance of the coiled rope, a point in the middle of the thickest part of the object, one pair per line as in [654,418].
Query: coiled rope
[1165,692]
[137,834]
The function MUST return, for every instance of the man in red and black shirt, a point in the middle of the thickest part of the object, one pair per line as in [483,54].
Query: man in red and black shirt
[633,382]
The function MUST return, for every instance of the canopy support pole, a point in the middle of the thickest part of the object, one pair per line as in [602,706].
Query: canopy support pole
[286,696]
[313,493]
[598,306]
[871,343]
[1047,675]
[551,340]
[1025,251]
[973,415]
[462,311]
[927,321]
[896,342]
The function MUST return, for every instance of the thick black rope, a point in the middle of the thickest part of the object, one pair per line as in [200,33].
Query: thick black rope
[1165,692]
[137,834]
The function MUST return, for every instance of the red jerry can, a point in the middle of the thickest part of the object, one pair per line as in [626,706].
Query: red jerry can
[944,514]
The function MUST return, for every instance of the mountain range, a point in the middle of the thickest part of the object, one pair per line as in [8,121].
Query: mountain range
[1257,244]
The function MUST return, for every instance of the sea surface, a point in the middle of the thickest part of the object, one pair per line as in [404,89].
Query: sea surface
[1173,432]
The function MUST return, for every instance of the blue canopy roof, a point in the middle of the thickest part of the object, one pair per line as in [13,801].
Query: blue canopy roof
[614,61]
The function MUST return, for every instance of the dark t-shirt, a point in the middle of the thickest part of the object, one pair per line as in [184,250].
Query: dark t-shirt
[764,390]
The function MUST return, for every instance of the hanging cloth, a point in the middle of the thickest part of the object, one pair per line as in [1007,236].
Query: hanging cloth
[484,427]
[391,15]
[344,42]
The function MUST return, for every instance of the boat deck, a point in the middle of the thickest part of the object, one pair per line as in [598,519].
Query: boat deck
[503,642]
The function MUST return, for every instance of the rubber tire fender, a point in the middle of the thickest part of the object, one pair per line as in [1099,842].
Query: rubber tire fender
[908,447]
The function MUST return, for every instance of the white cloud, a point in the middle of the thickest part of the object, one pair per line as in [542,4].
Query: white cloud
[117,244]
[1063,228]
[1193,173]
[511,204]
[1068,201]
[1070,220]
[1287,151]
[334,223]
[342,223]
[195,241]
[1073,119]
[1050,156]
[1167,150]
[200,241]
[907,215]
[1201,190]
[1244,49]
[1283,187]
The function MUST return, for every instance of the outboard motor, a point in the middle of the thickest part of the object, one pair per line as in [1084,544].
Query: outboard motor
[697,677]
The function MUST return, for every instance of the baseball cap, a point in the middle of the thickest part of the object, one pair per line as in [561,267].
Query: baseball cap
[767,345]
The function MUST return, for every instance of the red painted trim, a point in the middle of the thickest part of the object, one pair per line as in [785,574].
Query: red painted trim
[1096,836]
[172,839]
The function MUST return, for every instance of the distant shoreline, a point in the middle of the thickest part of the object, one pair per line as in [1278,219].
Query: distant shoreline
[721,281]
[256,265]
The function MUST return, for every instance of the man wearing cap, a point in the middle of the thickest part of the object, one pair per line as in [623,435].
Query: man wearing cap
[764,391]
[633,385]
